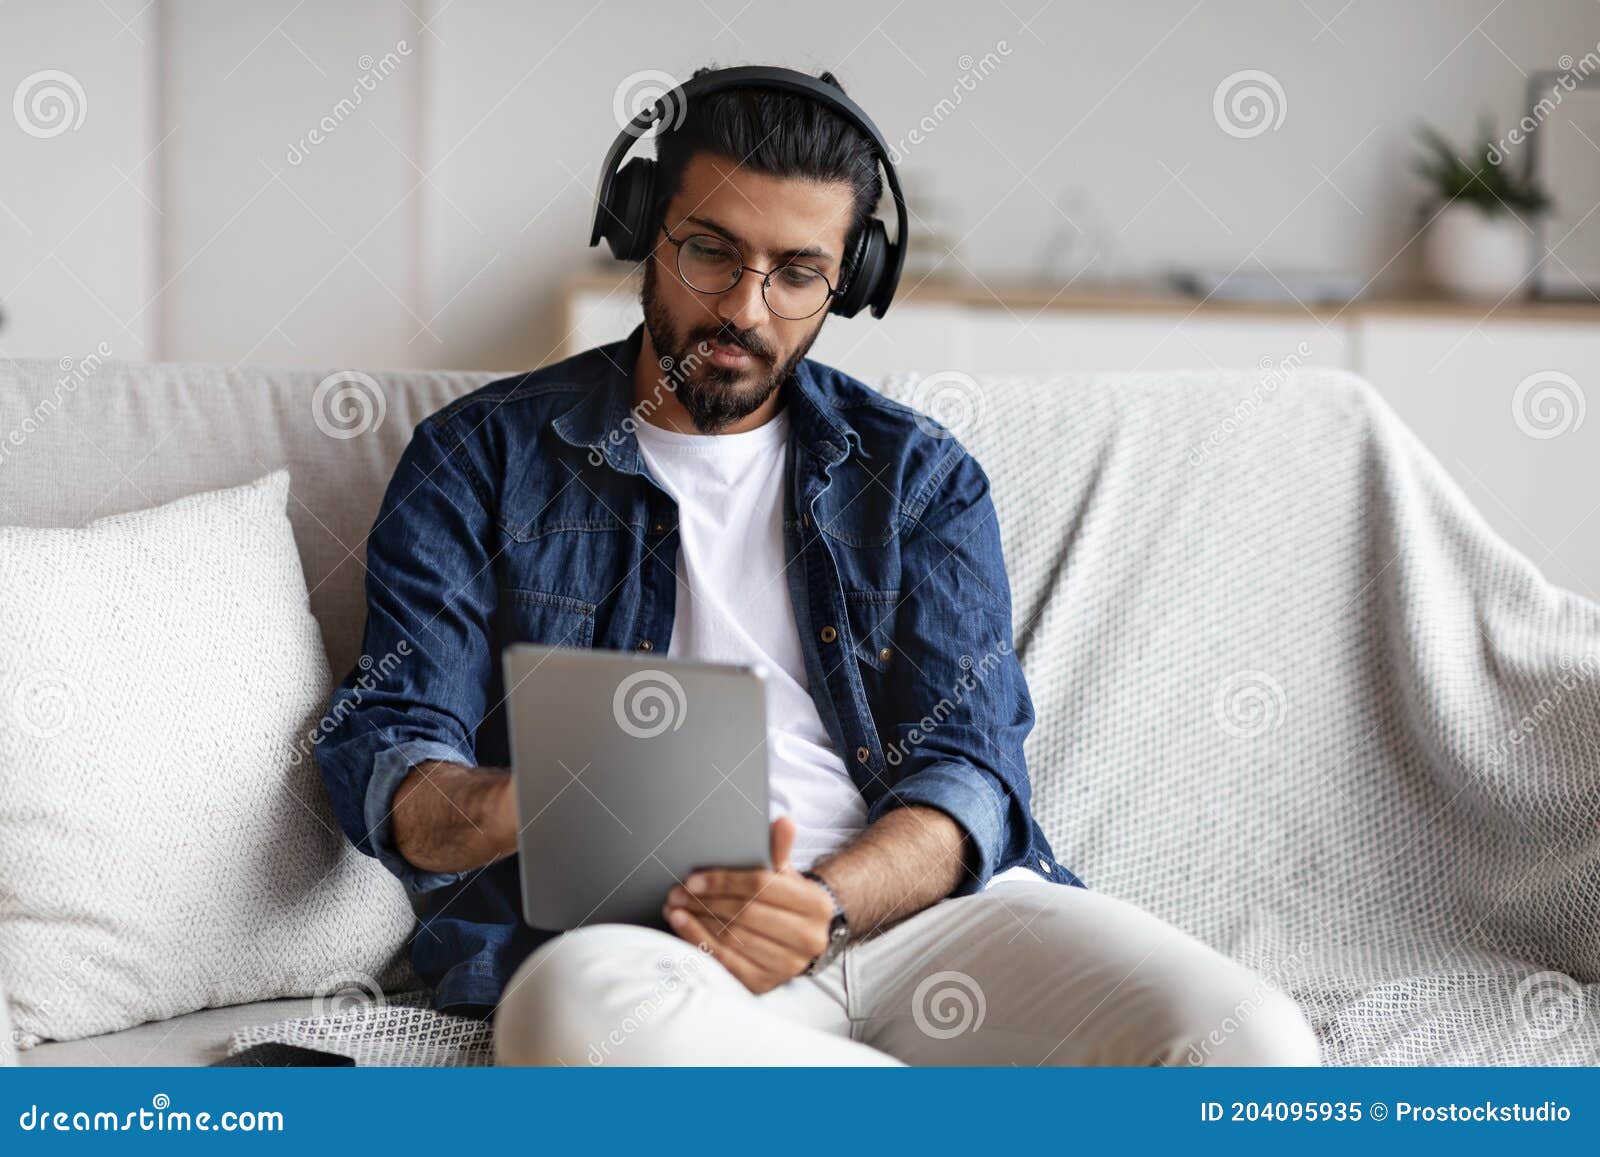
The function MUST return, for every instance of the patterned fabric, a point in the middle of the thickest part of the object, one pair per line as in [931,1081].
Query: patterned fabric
[396,1030]
[1297,698]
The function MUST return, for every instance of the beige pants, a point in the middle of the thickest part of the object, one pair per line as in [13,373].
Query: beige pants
[1024,973]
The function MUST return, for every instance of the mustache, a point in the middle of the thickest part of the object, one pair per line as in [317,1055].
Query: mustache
[726,337]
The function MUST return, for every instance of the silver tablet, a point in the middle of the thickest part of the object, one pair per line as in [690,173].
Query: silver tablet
[631,771]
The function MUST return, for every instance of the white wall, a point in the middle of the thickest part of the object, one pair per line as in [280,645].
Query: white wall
[291,249]
[79,227]
[436,223]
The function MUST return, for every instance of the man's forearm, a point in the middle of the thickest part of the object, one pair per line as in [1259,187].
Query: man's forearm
[450,818]
[910,858]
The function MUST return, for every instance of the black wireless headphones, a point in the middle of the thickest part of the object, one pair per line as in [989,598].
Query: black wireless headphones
[625,199]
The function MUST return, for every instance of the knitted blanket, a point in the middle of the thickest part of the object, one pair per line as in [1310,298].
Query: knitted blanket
[1295,696]
[387,1031]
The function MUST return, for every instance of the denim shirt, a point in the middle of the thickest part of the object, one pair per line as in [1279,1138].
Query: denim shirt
[523,512]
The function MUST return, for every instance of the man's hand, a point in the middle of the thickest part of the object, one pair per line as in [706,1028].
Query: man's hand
[765,927]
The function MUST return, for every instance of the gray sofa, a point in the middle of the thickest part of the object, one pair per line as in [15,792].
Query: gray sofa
[1272,649]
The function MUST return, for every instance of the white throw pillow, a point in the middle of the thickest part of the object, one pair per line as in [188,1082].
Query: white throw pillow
[166,843]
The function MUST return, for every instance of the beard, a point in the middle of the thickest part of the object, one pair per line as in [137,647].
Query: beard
[714,397]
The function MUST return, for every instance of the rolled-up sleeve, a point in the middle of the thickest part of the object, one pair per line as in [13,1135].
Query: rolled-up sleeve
[418,692]
[961,709]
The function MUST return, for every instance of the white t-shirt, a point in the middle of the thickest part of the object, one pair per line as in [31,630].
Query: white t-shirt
[733,606]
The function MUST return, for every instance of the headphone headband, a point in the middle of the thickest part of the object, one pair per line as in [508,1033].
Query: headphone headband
[880,260]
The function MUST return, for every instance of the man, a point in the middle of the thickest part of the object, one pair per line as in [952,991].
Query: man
[704,490]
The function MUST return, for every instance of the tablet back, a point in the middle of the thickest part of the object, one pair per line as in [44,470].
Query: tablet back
[631,771]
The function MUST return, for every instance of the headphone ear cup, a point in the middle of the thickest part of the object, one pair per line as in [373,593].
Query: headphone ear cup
[867,270]
[627,228]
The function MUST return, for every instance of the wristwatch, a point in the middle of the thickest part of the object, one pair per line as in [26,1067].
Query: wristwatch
[838,927]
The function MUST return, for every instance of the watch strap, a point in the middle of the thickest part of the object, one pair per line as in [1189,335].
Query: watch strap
[838,927]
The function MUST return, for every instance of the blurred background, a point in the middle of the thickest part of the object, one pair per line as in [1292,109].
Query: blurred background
[1159,184]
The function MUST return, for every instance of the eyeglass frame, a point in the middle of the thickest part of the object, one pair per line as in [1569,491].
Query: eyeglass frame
[766,275]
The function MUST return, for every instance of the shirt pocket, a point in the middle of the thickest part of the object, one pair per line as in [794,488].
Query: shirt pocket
[549,619]
[872,615]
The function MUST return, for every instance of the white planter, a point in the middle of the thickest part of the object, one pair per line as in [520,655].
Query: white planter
[1468,253]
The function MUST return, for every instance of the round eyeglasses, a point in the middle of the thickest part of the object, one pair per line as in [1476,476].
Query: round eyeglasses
[709,264]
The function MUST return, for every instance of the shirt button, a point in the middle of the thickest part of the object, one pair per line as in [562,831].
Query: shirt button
[829,634]
[646,645]
[805,521]
[883,655]
[1044,865]
[660,528]
[862,755]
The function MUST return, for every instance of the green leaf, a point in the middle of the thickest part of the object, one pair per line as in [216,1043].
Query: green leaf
[1495,188]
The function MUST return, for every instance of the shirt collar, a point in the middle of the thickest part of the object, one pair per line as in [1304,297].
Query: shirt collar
[603,423]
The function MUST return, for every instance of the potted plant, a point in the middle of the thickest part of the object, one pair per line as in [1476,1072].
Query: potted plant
[1480,215]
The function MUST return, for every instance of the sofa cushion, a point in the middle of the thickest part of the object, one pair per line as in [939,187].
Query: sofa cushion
[197,1038]
[167,841]
[87,437]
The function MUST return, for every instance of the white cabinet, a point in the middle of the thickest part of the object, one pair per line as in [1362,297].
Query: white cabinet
[1019,339]
[1098,340]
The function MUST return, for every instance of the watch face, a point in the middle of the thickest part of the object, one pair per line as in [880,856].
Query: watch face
[838,936]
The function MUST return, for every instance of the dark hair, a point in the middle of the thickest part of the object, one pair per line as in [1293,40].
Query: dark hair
[779,133]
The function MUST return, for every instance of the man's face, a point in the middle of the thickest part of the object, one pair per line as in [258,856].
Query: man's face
[729,351]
